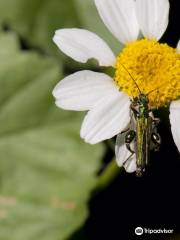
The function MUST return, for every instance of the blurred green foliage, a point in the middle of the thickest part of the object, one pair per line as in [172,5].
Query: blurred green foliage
[47,172]
[36,20]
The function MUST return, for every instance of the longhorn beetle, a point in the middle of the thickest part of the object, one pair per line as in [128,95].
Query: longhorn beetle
[144,134]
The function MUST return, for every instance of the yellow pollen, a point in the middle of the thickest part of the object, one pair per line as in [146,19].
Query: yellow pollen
[154,67]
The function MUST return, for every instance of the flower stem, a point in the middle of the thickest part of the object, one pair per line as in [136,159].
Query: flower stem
[107,176]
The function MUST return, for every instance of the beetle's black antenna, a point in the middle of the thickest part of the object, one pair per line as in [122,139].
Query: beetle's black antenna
[132,78]
[157,88]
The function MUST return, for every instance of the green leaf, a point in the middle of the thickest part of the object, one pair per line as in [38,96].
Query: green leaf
[36,21]
[46,171]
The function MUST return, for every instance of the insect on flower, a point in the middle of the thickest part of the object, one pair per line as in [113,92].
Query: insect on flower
[147,76]
[143,132]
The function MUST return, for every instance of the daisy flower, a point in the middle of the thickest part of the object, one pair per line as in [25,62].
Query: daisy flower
[154,66]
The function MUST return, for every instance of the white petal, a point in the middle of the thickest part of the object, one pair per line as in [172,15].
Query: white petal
[178,47]
[120,18]
[107,118]
[81,90]
[82,45]
[122,154]
[152,16]
[130,166]
[175,120]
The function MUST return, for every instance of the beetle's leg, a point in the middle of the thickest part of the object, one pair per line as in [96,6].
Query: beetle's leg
[128,158]
[140,171]
[156,139]
[134,110]
[129,148]
[129,137]
[124,131]
[155,121]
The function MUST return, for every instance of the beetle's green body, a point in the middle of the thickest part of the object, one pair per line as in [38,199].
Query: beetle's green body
[143,137]
[144,127]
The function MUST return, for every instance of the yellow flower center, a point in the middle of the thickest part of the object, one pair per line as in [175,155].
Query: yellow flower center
[155,69]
